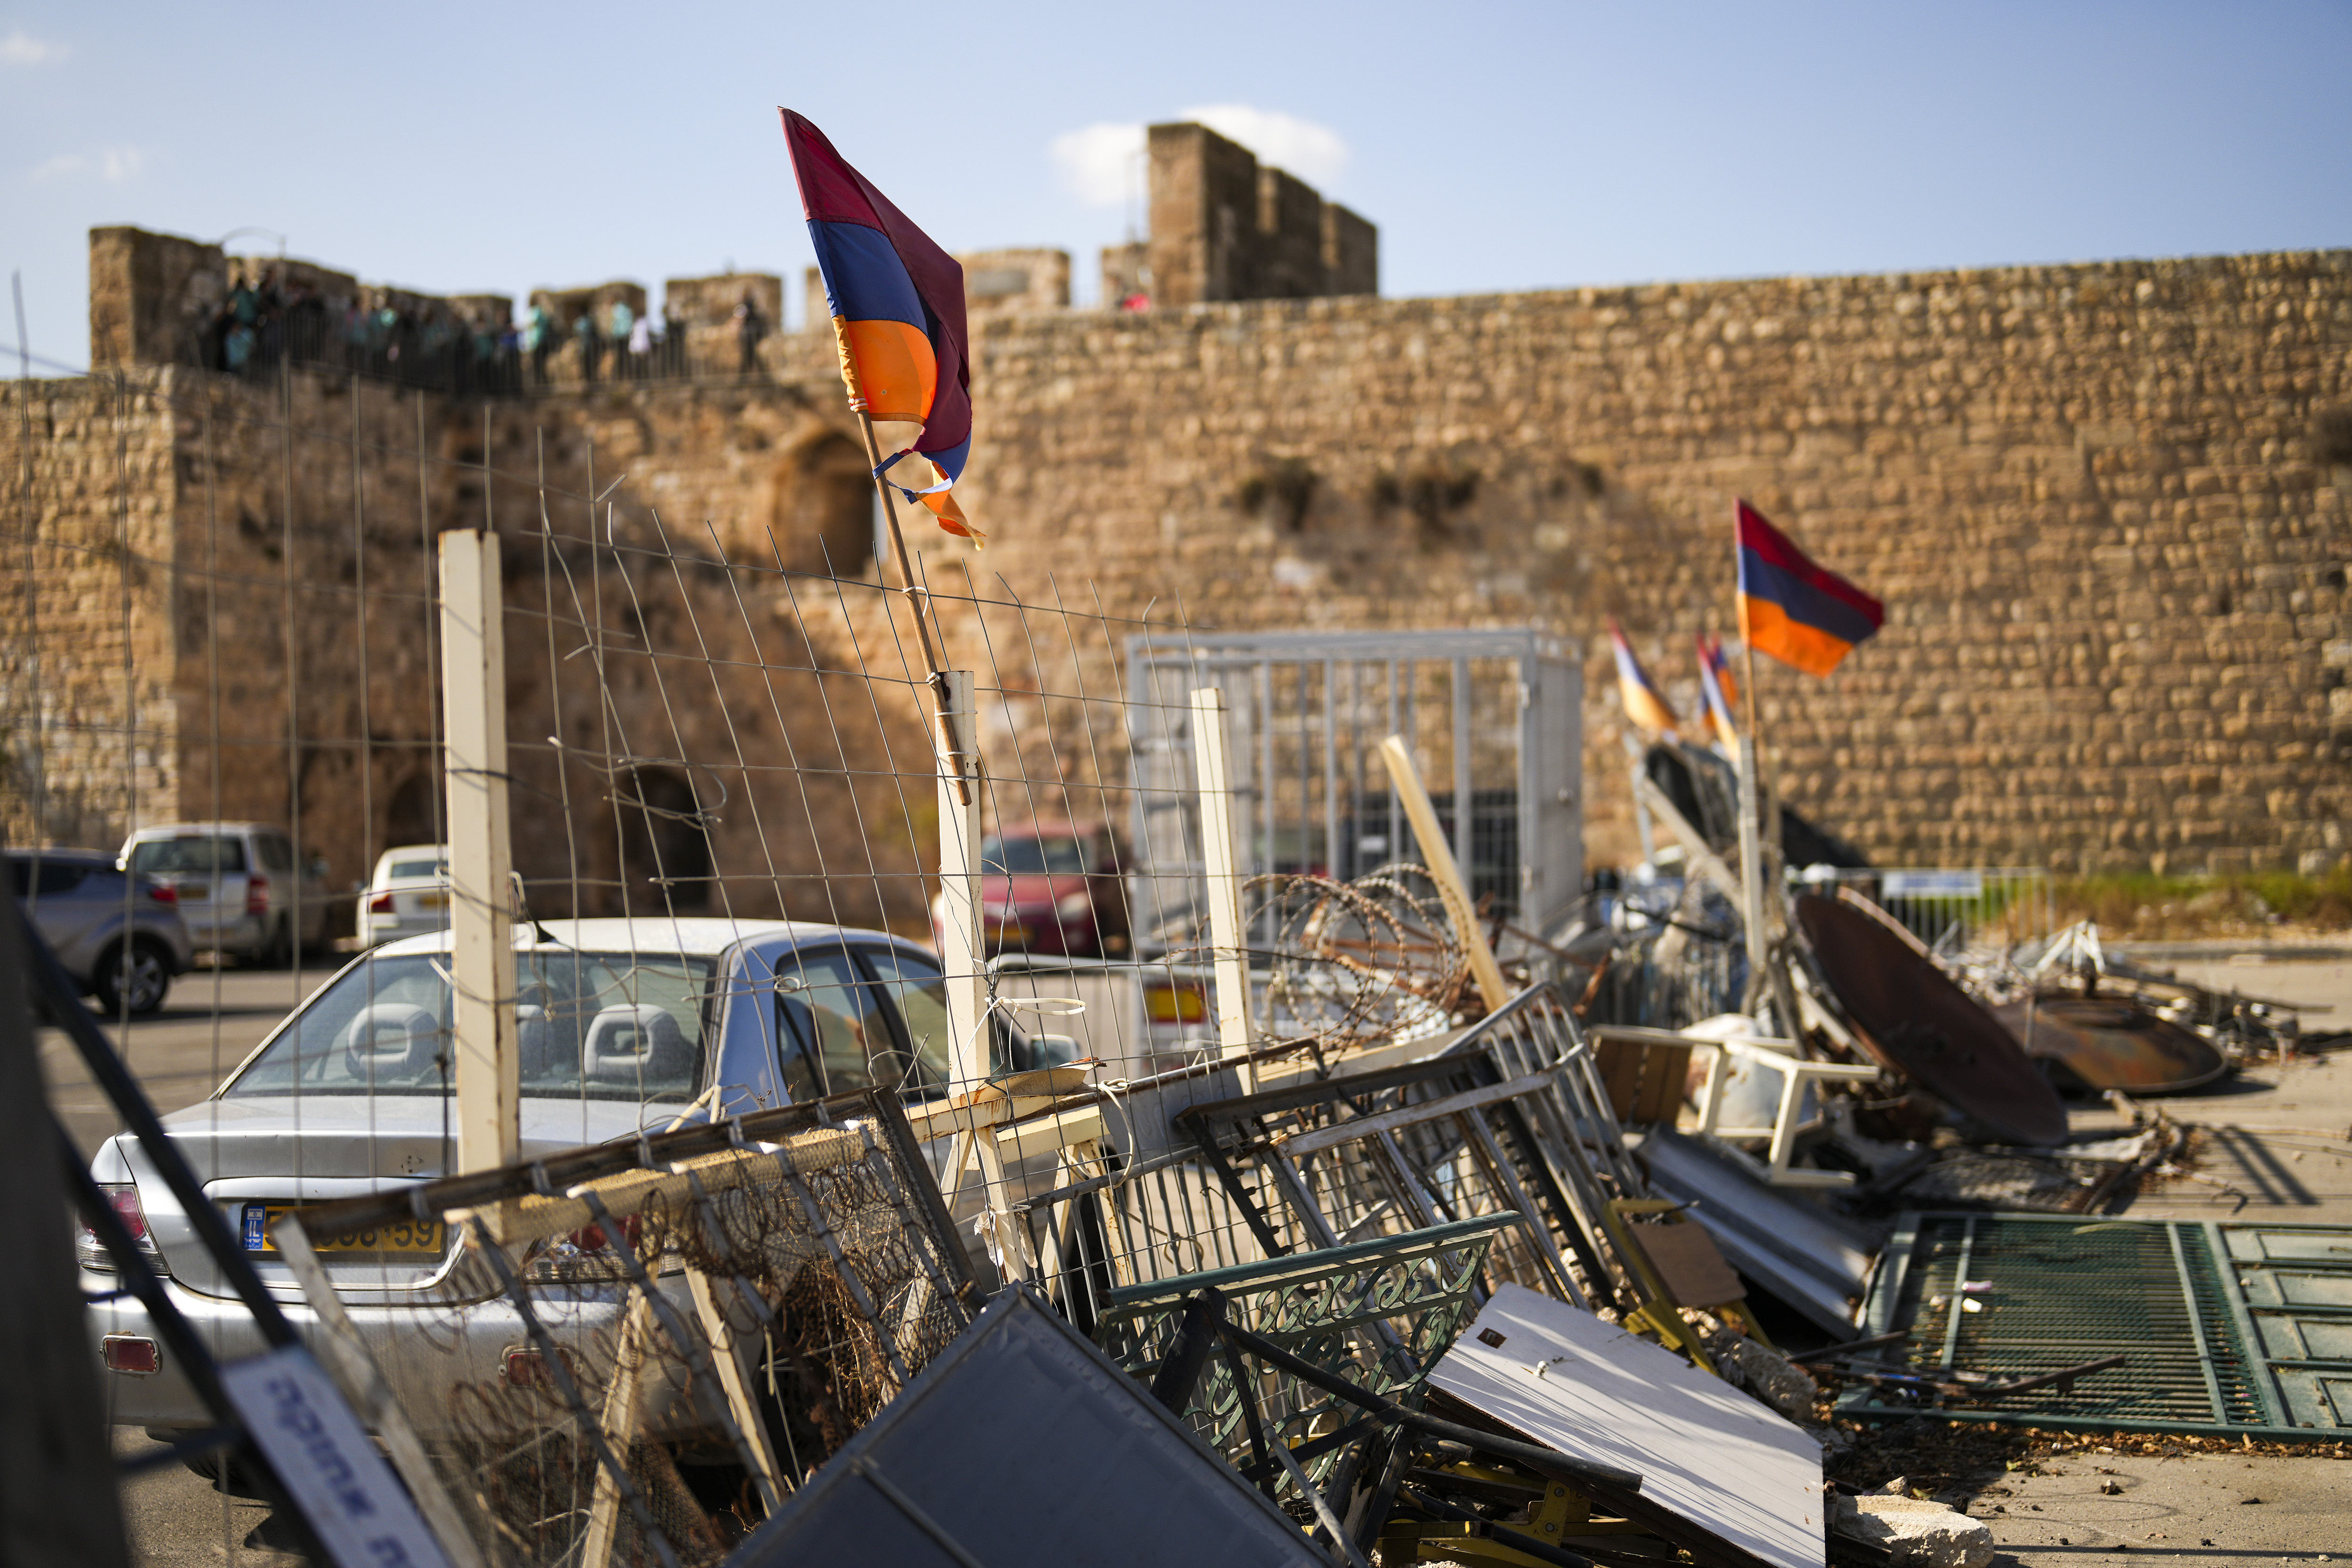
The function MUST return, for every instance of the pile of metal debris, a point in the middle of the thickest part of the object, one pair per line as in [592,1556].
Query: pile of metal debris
[1415,1277]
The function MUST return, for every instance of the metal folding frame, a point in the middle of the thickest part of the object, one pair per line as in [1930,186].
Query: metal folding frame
[1402,1148]
[1377,1313]
[1350,1500]
[1578,1130]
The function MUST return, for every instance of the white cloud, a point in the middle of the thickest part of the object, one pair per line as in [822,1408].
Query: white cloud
[1313,153]
[113,164]
[1102,164]
[21,49]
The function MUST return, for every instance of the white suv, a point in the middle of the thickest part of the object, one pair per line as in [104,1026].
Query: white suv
[237,886]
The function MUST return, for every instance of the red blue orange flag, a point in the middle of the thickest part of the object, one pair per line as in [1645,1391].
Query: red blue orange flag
[896,300]
[1642,703]
[1715,683]
[1799,613]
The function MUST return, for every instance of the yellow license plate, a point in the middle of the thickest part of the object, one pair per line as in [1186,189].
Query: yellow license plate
[432,900]
[1007,932]
[421,1238]
[195,892]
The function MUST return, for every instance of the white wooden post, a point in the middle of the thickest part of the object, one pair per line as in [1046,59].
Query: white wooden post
[481,917]
[964,955]
[1438,857]
[1222,856]
[961,953]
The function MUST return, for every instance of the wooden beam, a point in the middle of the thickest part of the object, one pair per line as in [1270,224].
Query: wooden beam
[481,894]
[1228,937]
[1439,857]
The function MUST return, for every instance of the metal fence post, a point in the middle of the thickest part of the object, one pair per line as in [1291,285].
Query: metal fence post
[1222,857]
[481,920]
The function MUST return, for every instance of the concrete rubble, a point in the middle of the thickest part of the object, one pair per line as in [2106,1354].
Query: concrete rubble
[1914,1531]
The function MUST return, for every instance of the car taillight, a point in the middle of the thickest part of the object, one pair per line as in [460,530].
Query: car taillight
[122,1197]
[381,904]
[257,896]
[592,1239]
[164,895]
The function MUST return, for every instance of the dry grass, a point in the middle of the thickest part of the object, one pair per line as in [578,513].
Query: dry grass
[2144,905]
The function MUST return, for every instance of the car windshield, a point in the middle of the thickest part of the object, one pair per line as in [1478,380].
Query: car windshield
[599,1026]
[1033,856]
[413,870]
[190,855]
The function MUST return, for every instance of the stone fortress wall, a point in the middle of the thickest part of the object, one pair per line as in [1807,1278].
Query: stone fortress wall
[2106,503]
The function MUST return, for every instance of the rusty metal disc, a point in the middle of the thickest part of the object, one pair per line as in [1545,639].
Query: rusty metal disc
[1916,1020]
[2112,1042]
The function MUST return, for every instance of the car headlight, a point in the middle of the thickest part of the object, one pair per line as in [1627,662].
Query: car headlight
[1075,906]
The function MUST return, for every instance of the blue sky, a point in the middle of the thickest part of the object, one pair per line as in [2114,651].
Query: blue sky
[457,148]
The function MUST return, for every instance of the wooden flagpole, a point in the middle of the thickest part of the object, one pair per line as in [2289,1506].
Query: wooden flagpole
[1751,848]
[918,598]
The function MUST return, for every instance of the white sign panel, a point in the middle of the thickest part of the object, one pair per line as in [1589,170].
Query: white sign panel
[355,1506]
[1932,884]
[1706,1452]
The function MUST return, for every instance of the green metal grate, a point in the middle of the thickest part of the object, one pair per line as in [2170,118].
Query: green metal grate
[2221,1324]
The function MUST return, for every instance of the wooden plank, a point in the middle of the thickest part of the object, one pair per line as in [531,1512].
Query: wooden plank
[481,893]
[1405,780]
[1688,1263]
[346,1357]
[1720,1473]
[1063,1130]
[1228,939]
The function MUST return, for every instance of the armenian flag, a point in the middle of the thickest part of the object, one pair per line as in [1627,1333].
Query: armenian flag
[1799,613]
[896,300]
[1721,691]
[1642,703]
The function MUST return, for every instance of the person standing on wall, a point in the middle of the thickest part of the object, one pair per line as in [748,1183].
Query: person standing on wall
[539,340]
[641,344]
[751,327]
[618,323]
[592,343]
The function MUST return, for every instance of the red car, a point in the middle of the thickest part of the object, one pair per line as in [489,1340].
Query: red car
[1053,888]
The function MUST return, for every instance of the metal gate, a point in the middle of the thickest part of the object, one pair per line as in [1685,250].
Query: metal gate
[2231,1328]
[1494,719]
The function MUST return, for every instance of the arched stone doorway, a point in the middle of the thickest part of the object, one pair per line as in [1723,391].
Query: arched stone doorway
[412,816]
[822,511]
[665,862]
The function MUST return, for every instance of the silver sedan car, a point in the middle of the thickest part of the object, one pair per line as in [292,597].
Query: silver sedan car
[620,1025]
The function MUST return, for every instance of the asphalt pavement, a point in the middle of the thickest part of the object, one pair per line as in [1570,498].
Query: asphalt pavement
[210,1023]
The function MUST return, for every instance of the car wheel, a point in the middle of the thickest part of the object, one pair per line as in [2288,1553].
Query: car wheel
[136,982]
[278,952]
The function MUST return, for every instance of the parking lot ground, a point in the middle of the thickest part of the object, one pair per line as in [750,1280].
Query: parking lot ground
[210,1023]
[2197,1511]
[176,1519]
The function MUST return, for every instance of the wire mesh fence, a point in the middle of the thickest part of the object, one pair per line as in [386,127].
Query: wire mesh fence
[229,667]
